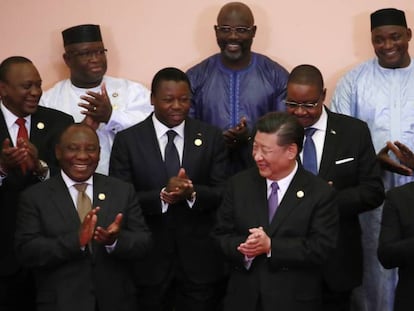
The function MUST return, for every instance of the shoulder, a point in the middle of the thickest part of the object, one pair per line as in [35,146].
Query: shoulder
[54,115]
[202,127]
[203,69]
[361,70]
[113,182]
[113,82]
[57,87]
[400,192]
[348,122]
[136,129]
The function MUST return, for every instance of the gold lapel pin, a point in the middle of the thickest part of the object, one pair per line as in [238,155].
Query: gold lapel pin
[101,196]
[40,125]
[300,194]
[333,132]
[198,142]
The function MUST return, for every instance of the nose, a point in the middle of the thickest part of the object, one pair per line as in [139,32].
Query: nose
[257,156]
[388,44]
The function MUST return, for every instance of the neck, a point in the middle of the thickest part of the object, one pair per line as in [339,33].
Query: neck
[238,64]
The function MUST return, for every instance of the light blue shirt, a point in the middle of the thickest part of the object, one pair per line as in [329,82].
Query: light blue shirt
[384,98]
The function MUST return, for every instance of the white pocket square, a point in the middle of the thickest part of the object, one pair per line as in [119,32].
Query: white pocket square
[344,160]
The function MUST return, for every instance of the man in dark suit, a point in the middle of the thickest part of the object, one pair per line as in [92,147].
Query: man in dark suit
[346,159]
[179,197]
[24,160]
[396,242]
[81,261]
[276,257]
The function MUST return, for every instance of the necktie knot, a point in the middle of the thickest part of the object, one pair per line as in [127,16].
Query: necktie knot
[275,187]
[21,122]
[171,135]
[81,187]
[310,131]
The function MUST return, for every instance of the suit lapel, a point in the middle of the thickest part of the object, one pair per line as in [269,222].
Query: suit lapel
[60,196]
[4,132]
[292,199]
[329,147]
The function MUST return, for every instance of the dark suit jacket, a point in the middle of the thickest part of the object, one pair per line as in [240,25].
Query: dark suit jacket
[46,126]
[182,233]
[47,240]
[349,162]
[303,232]
[396,242]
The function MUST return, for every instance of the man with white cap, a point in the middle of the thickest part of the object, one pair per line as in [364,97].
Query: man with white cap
[380,93]
[107,104]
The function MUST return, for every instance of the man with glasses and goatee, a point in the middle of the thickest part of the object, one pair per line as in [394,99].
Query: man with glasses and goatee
[235,87]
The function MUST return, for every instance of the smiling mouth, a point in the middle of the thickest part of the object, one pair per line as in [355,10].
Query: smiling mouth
[233,47]
[81,167]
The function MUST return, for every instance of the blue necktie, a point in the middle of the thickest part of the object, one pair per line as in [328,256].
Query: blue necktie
[309,152]
[273,201]
[172,160]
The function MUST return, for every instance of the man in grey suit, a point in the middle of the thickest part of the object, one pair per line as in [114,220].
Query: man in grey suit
[81,262]
[276,257]
[346,160]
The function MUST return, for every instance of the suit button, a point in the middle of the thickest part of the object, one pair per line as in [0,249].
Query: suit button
[285,269]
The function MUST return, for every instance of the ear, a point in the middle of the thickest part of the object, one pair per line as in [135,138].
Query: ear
[409,34]
[66,58]
[292,151]
[323,95]
[58,152]
[3,89]
[254,30]
[152,99]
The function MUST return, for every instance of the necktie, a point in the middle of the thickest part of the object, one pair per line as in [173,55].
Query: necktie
[172,160]
[273,201]
[83,202]
[22,133]
[309,152]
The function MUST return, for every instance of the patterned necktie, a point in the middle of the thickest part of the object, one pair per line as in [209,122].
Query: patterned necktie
[273,201]
[22,133]
[309,152]
[83,202]
[172,160]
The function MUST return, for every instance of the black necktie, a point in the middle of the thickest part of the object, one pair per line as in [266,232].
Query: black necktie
[309,152]
[172,160]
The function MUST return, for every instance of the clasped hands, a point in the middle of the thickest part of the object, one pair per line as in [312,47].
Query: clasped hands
[98,107]
[257,243]
[178,188]
[88,229]
[404,155]
[237,135]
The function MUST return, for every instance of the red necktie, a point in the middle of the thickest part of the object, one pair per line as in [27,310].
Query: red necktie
[22,133]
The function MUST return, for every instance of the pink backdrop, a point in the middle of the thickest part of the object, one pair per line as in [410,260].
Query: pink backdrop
[143,36]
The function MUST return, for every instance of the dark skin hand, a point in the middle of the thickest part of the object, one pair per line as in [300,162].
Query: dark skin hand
[179,188]
[403,154]
[24,153]
[98,107]
[109,235]
[87,227]
[238,135]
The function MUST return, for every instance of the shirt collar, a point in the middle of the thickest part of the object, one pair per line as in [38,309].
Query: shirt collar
[284,182]
[11,118]
[69,182]
[161,129]
[322,122]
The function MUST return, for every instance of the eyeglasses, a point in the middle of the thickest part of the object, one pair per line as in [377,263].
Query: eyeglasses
[241,30]
[295,105]
[88,54]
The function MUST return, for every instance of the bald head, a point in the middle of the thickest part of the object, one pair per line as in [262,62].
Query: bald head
[236,8]
[306,75]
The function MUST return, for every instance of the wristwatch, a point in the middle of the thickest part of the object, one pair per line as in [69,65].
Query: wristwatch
[42,169]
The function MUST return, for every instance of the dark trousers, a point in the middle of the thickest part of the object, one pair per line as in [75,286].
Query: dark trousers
[181,295]
[17,292]
[335,301]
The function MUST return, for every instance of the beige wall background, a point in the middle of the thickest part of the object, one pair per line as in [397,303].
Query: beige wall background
[144,36]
